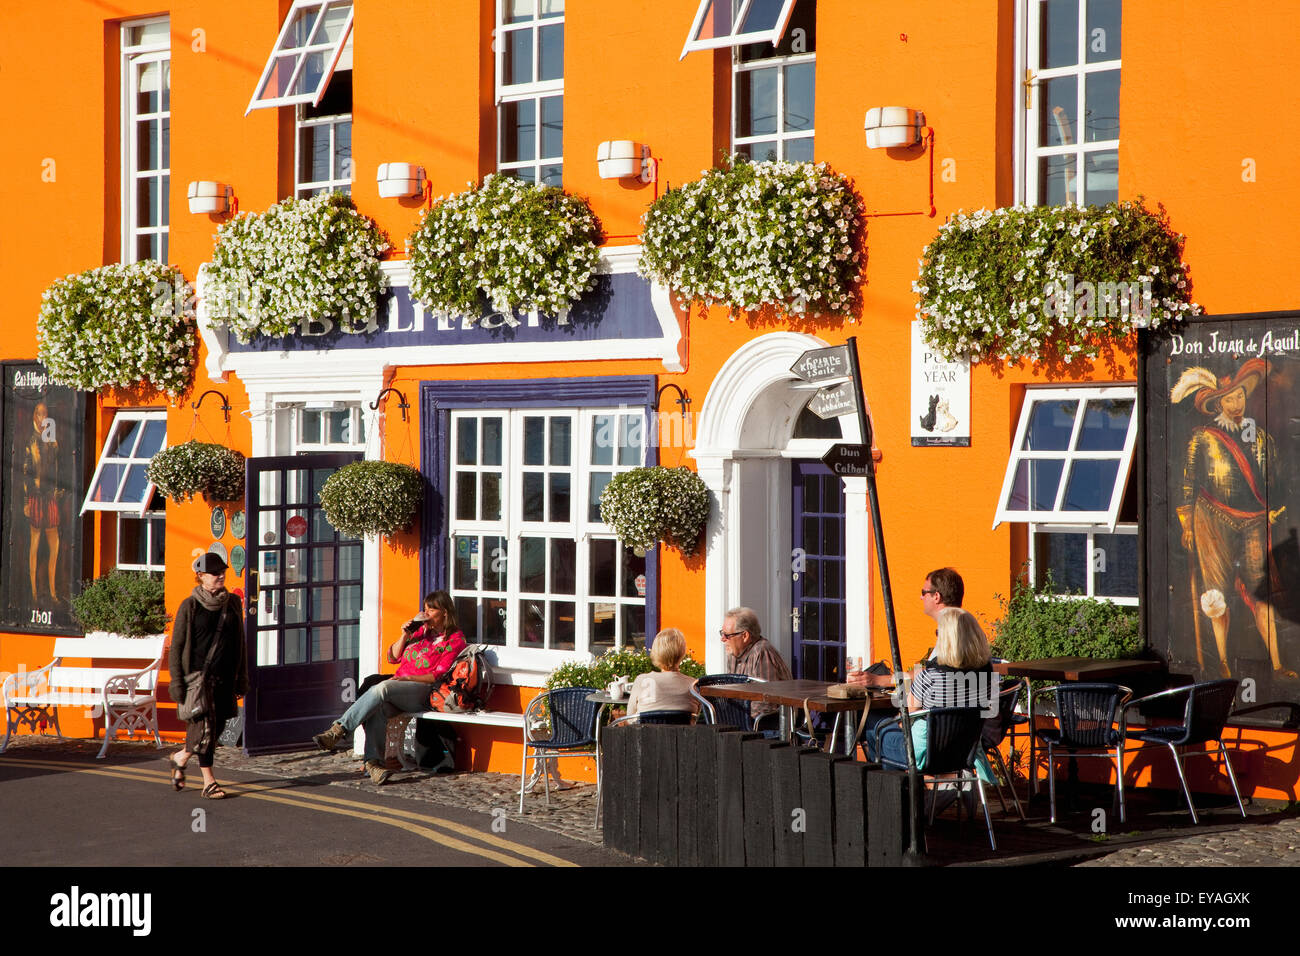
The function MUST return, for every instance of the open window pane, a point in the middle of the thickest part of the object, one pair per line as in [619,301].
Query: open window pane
[308,50]
[1070,457]
[729,23]
[119,482]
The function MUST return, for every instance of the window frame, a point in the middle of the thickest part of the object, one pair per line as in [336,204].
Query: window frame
[732,38]
[1107,518]
[337,50]
[333,121]
[134,55]
[1029,150]
[781,136]
[438,400]
[534,91]
[1091,530]
[147,519]
[121,418]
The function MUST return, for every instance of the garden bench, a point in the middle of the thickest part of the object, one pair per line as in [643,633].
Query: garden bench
[125,697]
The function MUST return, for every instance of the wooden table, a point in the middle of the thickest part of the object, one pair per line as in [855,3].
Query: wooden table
[790,695]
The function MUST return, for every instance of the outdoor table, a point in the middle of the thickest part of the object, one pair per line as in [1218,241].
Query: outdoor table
[790,695]
[1071,669]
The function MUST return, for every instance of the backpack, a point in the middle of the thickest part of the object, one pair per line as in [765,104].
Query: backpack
[468,683]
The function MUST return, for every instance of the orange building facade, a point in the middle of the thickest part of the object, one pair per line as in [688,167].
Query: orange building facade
[450,86]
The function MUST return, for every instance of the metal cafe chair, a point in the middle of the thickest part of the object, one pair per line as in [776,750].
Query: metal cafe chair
[995,731]
[954,736]
[722,710]
[1087,716]
[1204,714]
[573,732]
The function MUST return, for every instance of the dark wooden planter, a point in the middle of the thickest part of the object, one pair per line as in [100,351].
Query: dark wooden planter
[715,796]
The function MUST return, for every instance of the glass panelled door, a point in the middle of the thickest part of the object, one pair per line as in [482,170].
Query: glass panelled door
[817,581]
[303,612]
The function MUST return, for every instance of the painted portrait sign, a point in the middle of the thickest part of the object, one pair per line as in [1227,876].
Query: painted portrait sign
[40,500]
[1223,459]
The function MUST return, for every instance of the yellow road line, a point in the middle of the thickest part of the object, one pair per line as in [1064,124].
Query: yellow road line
[341,806]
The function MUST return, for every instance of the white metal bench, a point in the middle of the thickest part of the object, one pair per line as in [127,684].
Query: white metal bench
[400,743]
[126,699]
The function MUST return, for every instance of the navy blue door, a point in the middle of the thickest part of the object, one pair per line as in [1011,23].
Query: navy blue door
[817,610]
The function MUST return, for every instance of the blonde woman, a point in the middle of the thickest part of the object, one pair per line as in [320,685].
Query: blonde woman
[958,674]
[669,689]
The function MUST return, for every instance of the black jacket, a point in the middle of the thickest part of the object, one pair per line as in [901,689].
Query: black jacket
[230,661]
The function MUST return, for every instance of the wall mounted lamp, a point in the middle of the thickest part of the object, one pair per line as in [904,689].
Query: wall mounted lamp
[225,402]
[403,404]
[888,126]
[682,398]
[624,159]
[211,197]
[400,180]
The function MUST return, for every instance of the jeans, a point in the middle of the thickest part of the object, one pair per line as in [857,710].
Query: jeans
[373,708]
[892,745]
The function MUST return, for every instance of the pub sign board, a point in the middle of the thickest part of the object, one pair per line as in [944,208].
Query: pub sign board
[41,487]
[1222,516]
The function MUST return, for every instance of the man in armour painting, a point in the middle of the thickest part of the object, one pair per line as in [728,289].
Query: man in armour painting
[1224,514]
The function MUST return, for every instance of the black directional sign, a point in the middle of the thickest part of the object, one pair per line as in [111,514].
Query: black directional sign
[821,365]
[848,460]
[833,401]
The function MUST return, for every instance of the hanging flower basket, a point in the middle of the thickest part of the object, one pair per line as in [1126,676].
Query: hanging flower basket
[646,505]
[522,246]
[372,498]
[198,468]
[748,235]
[1017,282]
[314,259]
[119,325]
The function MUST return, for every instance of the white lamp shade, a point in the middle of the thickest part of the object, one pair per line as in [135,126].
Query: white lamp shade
[887,126]
[206,196]
[620,158]
[399,180]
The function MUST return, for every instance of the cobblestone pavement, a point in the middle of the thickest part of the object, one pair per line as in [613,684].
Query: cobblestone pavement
[1269,837]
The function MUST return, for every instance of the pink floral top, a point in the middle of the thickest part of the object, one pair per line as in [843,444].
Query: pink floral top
[430,655]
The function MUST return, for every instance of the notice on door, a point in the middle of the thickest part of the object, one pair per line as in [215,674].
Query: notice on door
[940,397]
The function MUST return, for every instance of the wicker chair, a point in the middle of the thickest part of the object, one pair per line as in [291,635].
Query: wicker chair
[572,721]
[1087,717]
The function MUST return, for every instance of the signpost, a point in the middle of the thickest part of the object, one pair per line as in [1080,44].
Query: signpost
[849,460]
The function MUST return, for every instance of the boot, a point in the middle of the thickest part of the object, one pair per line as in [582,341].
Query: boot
[379,774]
[331,738]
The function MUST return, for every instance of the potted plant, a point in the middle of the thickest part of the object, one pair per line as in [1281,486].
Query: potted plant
[303,259]
[122,603]
[198,468]
[1015,282]
[372,498]
[747,235]
[1039,622]
[646,505]
[522,246]
[119,325]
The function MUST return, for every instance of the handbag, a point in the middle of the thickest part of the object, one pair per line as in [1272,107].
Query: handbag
[198,698]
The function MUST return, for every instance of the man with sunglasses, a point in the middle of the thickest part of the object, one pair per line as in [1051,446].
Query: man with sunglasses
[751,654]
[943,588]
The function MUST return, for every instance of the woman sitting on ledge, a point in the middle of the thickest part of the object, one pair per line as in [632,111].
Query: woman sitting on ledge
[423,654]
[669,689]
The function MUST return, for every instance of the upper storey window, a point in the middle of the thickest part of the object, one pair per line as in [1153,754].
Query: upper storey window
[1072,101]
[530,89]
[146,138]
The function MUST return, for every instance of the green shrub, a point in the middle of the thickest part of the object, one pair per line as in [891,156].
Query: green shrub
[1040,622]
[129,603]
[616,662]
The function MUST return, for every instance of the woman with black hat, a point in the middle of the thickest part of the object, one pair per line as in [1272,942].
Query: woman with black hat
[208,667]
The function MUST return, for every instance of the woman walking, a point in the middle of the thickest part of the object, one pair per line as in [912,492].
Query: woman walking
[207,654]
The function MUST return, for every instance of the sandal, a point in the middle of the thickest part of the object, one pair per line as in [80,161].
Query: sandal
[178,773]
[213,791]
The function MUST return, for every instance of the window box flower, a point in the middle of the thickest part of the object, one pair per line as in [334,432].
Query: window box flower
[198,468]
[522,246]
[1018,282]
[646,505]
[119,325]
[372,498]
[302,259]
[748,235]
